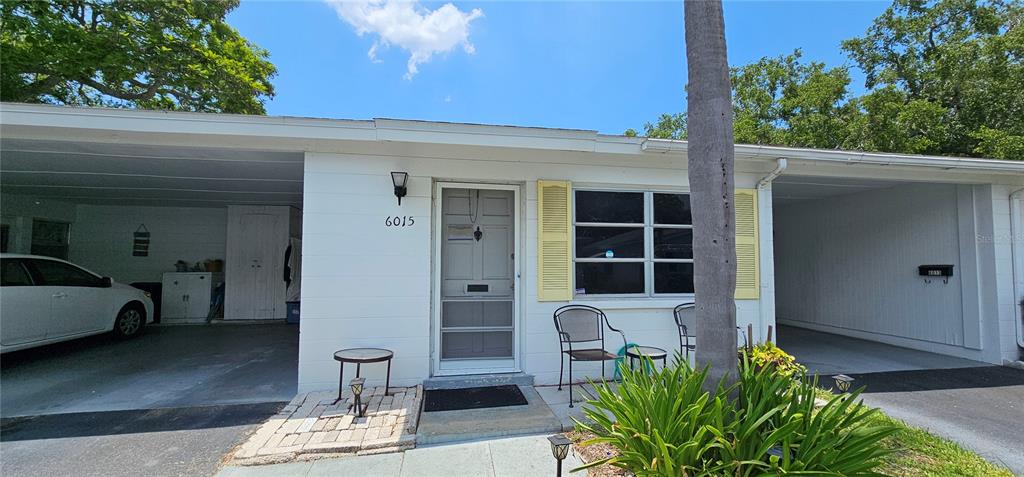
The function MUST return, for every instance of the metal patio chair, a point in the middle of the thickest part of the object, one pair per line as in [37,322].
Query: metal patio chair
[582,324]
[685,343]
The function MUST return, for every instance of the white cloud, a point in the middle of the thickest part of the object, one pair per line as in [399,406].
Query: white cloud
[410,26]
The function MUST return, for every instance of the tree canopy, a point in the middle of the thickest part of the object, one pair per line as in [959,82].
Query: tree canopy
[942,77]
[167,54]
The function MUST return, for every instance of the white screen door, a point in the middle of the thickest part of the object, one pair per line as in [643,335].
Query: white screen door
[477,329]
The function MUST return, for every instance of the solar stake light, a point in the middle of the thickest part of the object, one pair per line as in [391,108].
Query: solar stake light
[560,449]
[843,382]
[357,391]
[399,179]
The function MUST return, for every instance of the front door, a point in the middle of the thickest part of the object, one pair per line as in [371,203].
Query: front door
[477,300]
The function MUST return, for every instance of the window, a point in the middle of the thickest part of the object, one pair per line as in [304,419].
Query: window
[50,239]
[13,274]
[633,243]
[61,274]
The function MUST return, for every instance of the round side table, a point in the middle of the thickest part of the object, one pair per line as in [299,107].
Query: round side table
[359,356]
[650,352]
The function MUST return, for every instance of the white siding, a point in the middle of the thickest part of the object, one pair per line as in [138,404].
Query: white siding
[848,264]
[365,284]
[17,212]
[101,239]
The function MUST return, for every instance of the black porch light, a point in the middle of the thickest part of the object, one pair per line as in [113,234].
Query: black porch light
[560,449]
[843,382]
[400,179]
[357,391]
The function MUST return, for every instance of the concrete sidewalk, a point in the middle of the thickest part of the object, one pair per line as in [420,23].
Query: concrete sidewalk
[528,456]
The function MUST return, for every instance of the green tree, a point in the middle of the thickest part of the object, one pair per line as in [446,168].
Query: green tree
[167,54]
[942,77]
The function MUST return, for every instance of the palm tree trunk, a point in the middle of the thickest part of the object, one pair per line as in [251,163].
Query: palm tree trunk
[710,166]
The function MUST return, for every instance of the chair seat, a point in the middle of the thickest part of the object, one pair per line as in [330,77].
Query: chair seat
[591,355]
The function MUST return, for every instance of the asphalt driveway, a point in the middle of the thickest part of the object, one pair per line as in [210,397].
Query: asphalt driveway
[981,408]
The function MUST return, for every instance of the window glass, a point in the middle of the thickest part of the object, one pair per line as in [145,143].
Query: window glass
[12,274]
[610,207]
[50,239]
[602,278]
[609,242]
[673,277]
[673,243]
[672,209]
[62,274]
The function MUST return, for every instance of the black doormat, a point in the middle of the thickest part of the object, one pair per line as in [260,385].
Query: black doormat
[473,398]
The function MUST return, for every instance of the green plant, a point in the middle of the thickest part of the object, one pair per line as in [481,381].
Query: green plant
[767,354]
[664,424]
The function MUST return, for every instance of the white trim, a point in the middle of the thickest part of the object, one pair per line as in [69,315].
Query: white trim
[479,366]
[22,120]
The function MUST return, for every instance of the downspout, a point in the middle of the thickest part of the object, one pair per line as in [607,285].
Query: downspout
[767,311]
[781,164]
[1016,238]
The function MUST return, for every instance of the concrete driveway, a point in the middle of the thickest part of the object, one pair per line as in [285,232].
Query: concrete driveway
[976,404]
[168,366]
[170,402]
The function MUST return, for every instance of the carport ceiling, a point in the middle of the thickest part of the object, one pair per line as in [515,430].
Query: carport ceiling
[125,174]
[789,189]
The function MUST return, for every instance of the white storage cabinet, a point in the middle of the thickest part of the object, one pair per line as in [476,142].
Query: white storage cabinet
[186,295]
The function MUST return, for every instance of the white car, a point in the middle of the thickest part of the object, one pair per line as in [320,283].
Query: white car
[44,300]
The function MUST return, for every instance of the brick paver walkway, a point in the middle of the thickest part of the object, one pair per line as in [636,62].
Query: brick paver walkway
[314,423]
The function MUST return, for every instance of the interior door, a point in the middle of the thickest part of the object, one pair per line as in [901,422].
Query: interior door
[79,304]
[24,307]
[477,329]
[260,277]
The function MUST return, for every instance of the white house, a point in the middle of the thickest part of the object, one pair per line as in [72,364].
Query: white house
[501,225]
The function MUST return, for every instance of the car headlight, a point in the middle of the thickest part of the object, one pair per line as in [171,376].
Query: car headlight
[148,295]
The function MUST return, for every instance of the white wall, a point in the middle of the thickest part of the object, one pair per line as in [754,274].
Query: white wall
[365,284]
[1009,308]
[17,212]
[848,264]
[102,239]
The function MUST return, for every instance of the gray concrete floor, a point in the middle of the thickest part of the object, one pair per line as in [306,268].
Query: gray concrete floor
[170,402]
[167,367]
[828,354]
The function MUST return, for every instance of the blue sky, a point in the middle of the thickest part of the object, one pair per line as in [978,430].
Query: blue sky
[585,65]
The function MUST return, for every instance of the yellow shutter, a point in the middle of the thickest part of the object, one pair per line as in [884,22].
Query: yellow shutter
[748,286]
[554,250]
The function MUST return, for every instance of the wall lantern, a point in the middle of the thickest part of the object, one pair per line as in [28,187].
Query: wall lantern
[357,391]
[843,382]
[399,179]
[560,449]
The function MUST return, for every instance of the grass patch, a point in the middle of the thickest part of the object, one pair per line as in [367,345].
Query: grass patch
[918,452]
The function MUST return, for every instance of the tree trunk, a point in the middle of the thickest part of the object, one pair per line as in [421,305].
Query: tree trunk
[710,166]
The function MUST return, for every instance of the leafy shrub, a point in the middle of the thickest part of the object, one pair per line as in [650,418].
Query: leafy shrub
[767,354]
[664,424]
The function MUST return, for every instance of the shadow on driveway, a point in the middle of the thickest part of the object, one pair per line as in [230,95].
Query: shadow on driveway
[80,424]
[937,379]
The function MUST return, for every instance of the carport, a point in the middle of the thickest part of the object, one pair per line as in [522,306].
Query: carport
[104,190]
[849,294]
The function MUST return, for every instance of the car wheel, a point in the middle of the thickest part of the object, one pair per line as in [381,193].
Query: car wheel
[129,322]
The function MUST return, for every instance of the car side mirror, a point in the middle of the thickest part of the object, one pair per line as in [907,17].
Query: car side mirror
[106,282]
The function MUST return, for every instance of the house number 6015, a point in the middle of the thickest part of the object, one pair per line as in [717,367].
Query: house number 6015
[399,221]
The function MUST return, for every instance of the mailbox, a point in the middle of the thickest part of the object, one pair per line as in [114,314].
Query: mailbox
[935,271]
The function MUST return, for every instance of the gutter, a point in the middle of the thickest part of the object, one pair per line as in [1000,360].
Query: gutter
[1016,239]
[834,156]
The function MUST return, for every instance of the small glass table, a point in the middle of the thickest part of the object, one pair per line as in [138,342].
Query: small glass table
[640,352]
[359,356]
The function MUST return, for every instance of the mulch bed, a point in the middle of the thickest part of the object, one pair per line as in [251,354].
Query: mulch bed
[594,452]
